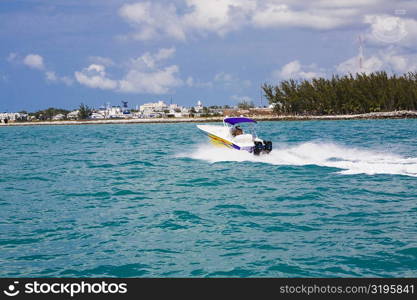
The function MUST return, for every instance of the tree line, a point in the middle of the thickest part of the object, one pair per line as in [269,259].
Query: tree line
[47,114]
[349,94]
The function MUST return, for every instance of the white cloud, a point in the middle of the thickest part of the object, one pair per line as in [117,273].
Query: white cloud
[225,77]
[282,15]
[164,53]
[219,16]
[150,61]
[189,81]
[153,20]
[94,76]
[155,82]
[391,60]
[34,61]
[352,65]
[400,63]
[294,70]
[100,60]
[230,80]
[143,75]
[11,57]
[52,77]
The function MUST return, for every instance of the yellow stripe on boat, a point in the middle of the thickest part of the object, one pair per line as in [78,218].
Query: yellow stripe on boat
[219,141]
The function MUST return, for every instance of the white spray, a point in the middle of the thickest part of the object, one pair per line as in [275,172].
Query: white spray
[350,160]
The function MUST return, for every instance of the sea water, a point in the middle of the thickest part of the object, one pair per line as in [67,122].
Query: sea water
[334,198]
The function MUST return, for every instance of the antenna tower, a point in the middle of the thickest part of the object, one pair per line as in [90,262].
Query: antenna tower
[360,56]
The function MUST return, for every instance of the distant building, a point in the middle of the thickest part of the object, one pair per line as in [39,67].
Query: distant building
[148,109]
[161,109]
[96,115]
[58,117]
[13,116]
[114,112]
[185,112]
[102,111]
[216,111]
[177,111]
[199,107]
[73,115]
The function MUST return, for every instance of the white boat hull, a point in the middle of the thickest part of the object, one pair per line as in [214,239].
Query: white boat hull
[221,136]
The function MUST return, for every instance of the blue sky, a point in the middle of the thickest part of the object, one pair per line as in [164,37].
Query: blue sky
[63,52]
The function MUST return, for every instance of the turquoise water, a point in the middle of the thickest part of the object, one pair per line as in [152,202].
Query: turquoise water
[334,198]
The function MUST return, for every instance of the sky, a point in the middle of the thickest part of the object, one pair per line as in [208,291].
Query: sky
[60,53]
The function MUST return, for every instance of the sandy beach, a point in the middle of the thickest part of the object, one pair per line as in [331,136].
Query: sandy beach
[374,115]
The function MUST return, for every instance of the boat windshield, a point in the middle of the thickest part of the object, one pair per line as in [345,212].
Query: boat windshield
[244,128]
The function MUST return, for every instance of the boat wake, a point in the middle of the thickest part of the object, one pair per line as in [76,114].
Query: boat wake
[350,160]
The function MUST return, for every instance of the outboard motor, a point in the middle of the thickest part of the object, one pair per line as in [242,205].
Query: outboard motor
[258,148]
[267,146]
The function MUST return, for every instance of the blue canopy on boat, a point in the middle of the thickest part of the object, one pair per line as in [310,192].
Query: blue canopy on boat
[234,121]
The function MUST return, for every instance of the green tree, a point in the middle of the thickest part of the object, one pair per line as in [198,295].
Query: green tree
[349,94]
[192,112]
[48,113]
[84,112]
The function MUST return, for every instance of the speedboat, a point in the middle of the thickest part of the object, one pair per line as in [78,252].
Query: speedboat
[232,136]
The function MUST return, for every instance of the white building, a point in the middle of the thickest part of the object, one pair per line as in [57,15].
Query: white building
[58,117]
[161,109]
[111,112]
[174,107]
[199,107]
[185,112]
[13,116]
[96,115]
[114,112]
[148,108]
[73,115]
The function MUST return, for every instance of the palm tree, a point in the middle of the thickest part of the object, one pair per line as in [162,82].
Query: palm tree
[84,112]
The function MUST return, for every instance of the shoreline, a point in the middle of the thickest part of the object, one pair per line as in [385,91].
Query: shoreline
[374,115]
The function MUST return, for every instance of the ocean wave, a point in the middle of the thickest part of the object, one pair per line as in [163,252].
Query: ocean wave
[350,159]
